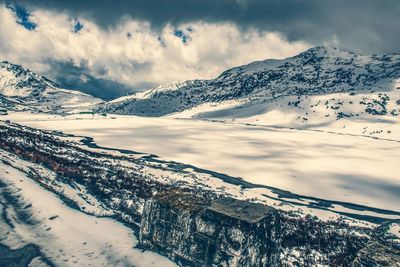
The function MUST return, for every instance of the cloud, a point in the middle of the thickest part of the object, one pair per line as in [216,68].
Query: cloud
[367,26]
[131,55]
[78,77]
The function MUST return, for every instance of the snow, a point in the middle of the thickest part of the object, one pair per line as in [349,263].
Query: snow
[317,71]
[321,112]
[33,91]
[7,85]
[257,66]
[172,86]
[68,237]
[209,107]
[394,229]
[342,167]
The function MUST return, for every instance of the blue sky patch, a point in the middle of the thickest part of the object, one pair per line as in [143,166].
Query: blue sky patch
[182,35]
[78,26]
[22,16]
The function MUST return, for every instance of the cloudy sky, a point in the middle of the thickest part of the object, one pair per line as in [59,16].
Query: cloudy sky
[110,48]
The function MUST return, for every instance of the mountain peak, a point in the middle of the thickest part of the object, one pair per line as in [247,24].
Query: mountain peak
[20,88]
[326,49]
[11,66]
[16,80]
[325,52]
[8,66]
[317,52]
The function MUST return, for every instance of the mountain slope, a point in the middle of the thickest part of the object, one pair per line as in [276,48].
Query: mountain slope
[22,89]
[318,71]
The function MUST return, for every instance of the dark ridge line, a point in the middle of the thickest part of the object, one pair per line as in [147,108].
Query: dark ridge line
[367,218]
[3,186]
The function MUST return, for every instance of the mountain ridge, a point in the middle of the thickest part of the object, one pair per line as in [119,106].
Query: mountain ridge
[317,71]
[259,85]
[22,89]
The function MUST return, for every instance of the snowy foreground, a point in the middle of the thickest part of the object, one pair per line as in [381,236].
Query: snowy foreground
[328,165]
[66,236]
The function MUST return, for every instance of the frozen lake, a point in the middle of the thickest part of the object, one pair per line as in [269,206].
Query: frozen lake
[332,166]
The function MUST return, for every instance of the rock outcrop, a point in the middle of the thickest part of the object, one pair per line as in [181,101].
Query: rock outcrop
[377,254]
[18,257]
[222,232]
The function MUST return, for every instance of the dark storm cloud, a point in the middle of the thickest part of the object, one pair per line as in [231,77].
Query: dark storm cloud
[369,26]
[79,78]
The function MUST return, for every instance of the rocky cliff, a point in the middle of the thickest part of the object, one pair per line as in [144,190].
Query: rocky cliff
[222,232]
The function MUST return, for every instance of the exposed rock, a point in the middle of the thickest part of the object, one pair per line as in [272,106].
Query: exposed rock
[18,257]
[377,254]
[225,232]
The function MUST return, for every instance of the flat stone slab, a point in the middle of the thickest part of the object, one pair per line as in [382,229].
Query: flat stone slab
[242,210]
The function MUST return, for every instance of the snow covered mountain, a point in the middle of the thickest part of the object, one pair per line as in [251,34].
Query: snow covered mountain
[320,83]
[22,89]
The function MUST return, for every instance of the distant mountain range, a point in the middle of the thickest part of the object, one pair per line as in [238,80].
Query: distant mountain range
[320,84]
[257,87]
[22,89]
